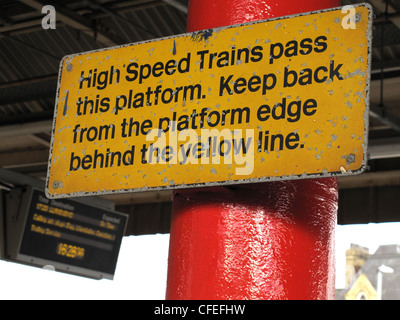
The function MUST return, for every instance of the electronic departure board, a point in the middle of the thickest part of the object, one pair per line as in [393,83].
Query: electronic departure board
[71,236]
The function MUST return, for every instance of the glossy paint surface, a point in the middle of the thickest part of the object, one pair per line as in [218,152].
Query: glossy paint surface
[205,14]
[258,241]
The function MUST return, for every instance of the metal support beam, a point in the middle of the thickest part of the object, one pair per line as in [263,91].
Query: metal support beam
[392,14]
[113,14]
[369,204]
[370,179]
[23,25]
[380,113]
[17,159]
[23,82]
[176,4]
[26,128]
[76,21]
[384,148]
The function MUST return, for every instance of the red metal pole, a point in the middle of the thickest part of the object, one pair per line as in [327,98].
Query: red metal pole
[260,241]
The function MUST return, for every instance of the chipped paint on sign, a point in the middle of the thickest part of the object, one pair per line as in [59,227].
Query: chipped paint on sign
[277,99]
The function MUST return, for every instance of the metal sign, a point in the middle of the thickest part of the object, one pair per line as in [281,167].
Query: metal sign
[70,236]
[278,99]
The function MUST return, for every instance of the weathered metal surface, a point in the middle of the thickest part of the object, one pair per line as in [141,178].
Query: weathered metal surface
[279,99]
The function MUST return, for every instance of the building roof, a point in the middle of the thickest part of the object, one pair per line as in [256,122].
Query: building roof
[388,255]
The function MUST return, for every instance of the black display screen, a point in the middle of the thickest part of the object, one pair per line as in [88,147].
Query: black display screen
[72,233]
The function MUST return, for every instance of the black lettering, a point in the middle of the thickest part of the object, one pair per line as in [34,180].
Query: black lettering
[316,72]
[112,72]
[113,155]
[144,72]
[120,106]
[153,150]
[210,63]
[96,158]
[83,79]
[128,156]
[240,111]
[169,99]
[254,83]
[138,100]
[202,55]
[267,86]
[161,122]
[321,44]
[78,109]
[279,106]
[183,123]
[223,59]
[158,66]
[275,54]
[246,52]
[263,112]
[102,79]
[72,166]
[143,151]
[304,45]
[134,127]
[305,77]
[291,49]
[146,127]
[291,141]
[257,54]
[310,104]
[104,104]
[274,137]
[190,91]
[181,64]
[335,71]
[288,73]
[224,85]
[86,162]
[130,69]
[294,113]
[213,124]
[91,134]
[228,148]
[240,85]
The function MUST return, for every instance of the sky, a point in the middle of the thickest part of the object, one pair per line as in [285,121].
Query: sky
[141,271]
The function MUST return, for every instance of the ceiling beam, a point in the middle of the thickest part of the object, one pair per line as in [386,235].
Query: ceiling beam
[76,21]
[17,83]
[22,25]
[40,140]
[139,197]
[178,5]
[25,128]
[384,148]
[113,14]
[24,158]
[392,13]
[380,113]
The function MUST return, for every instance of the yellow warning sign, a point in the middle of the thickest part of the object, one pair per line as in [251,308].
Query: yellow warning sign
[278,99]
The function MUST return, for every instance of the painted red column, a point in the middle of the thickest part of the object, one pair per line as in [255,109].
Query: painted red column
[258,241]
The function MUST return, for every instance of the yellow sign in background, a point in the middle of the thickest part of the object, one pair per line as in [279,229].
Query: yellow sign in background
[279,99]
